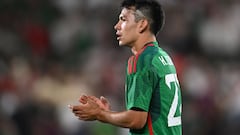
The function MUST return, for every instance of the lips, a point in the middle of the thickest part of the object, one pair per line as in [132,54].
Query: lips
[118,36]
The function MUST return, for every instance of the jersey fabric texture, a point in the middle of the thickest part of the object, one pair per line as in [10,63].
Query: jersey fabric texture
[152,86]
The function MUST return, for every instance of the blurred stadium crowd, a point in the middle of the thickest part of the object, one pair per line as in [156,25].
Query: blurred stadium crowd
[52,51]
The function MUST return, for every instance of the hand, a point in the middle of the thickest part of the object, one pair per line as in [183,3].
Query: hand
[83,99]
[86,111]
[102,102]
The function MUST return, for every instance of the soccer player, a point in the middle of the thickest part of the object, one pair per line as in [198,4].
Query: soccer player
[153,96]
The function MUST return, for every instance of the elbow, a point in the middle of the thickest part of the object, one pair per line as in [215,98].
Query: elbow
[137,120]
[137,124]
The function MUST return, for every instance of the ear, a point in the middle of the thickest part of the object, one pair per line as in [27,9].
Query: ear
[143,25]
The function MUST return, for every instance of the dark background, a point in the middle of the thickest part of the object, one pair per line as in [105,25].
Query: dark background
[52,51]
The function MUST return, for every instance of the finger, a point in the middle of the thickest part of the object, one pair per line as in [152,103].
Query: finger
[77,114]
[70,107]
[80,113]
[86,118]
[78,108]
[83,118]
[93,98]
[83,99]
[104,100]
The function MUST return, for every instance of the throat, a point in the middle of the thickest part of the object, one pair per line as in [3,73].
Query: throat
[134,51]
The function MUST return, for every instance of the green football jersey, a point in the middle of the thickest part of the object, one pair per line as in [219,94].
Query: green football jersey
[152,86]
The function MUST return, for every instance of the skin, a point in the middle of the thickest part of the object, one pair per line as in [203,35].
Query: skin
[131,33]
[98,109]
[134,35]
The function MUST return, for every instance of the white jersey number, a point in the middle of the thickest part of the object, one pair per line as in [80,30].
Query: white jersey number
[172,120]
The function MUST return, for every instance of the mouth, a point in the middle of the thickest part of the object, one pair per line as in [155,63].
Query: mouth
[118,36]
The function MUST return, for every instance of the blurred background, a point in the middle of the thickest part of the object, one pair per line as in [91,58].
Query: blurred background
[52,51]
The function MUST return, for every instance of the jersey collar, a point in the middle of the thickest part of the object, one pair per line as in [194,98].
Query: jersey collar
[146,45]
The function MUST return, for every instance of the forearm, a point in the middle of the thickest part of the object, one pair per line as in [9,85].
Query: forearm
[127,119]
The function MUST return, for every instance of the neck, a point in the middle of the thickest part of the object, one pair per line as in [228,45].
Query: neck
[139,44]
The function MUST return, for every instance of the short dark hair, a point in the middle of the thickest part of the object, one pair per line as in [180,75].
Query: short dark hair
[151,9]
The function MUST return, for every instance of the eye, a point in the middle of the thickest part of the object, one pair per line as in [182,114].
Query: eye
[122,18]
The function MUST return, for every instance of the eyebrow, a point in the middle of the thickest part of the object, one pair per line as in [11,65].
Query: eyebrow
[122,16]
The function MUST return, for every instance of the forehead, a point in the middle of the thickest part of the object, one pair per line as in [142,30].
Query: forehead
[126,12]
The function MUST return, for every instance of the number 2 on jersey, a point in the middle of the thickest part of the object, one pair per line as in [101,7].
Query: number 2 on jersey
[172,119]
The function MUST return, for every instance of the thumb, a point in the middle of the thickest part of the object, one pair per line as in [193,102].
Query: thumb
[104,100]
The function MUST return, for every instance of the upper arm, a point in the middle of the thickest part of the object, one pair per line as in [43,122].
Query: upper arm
[140,89]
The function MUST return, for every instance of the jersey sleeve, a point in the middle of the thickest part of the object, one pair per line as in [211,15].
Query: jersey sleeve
[140,92]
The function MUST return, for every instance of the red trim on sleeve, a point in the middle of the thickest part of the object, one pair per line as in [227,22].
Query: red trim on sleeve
[149,121]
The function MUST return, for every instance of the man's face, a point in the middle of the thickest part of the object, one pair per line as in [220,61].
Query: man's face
[126,28]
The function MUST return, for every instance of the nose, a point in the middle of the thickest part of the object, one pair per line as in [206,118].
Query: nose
[116,27]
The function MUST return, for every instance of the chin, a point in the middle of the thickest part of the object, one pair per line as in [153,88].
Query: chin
[120,43]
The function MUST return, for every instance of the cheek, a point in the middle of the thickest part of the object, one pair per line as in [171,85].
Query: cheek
[127,28]
[123,26]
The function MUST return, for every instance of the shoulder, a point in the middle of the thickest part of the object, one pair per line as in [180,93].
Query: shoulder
[149,54]
[156,57]
[146,58]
